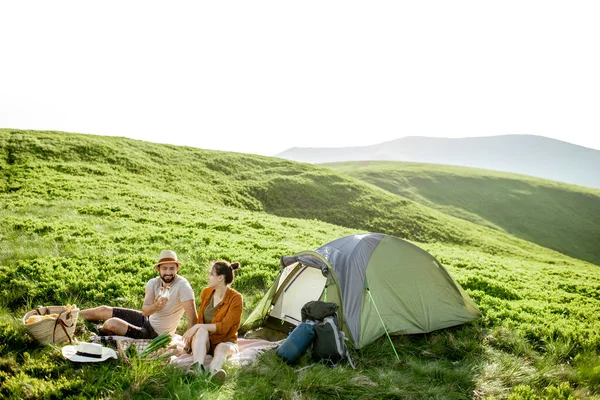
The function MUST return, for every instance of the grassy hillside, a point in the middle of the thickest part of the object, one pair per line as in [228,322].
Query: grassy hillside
[555,215]
[83,219]
[51,165]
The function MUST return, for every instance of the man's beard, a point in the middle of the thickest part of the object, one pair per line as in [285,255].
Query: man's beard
[167,279]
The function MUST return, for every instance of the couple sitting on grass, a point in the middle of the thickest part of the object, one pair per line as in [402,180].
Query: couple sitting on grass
[212,330]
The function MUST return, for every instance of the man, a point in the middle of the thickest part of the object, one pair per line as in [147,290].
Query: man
[167,297]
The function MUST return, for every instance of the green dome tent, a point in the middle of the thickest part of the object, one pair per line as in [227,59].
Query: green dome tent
[379,282]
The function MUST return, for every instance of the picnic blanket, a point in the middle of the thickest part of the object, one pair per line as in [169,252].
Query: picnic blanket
[249,349]
[121,343]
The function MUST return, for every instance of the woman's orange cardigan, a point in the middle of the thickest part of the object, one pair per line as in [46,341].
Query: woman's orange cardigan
[228,316]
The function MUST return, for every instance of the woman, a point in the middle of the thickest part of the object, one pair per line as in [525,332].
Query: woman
[219,317]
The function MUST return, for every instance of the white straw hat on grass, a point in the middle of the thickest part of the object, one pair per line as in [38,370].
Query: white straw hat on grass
[88,352]
[167,256]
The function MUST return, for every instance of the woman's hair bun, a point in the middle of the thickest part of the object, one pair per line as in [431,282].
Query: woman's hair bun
[234,265]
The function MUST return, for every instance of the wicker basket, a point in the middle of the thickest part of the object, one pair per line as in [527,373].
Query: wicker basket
[53,330]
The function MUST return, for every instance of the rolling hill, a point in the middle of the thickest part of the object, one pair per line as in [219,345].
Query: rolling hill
[522,154]
[557,216]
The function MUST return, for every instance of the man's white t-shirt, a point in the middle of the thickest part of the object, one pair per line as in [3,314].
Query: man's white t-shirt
[167,318]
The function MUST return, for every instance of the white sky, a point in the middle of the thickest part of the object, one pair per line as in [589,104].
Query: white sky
[263,76]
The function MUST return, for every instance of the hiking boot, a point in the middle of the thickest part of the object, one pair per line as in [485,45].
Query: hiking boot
[197,369]
[218,376]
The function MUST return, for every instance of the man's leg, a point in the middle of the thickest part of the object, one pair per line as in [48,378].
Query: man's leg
[130,323]
[101,313]
[126,322]
[116,326]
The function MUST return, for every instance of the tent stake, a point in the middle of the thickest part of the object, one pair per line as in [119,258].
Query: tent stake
[382,324]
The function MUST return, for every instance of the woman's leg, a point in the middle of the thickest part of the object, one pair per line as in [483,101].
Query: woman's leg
[222,351]
[200,346]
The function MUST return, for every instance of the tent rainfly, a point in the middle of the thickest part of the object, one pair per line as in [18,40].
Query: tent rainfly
[381,284]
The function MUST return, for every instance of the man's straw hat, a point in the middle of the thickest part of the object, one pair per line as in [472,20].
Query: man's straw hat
[167,256]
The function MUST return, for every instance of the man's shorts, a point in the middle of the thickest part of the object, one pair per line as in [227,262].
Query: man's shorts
[139,321]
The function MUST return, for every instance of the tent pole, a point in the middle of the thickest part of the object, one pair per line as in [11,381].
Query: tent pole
[382,324]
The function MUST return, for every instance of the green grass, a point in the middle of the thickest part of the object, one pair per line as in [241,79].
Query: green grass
[84,217]
[558,216]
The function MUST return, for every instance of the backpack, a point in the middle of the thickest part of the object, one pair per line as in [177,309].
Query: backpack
[317,310]
[329,344]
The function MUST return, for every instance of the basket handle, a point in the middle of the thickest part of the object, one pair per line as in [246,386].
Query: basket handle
[63,325]
[38,308]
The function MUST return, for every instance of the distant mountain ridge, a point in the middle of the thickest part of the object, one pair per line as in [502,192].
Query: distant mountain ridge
[523,154]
